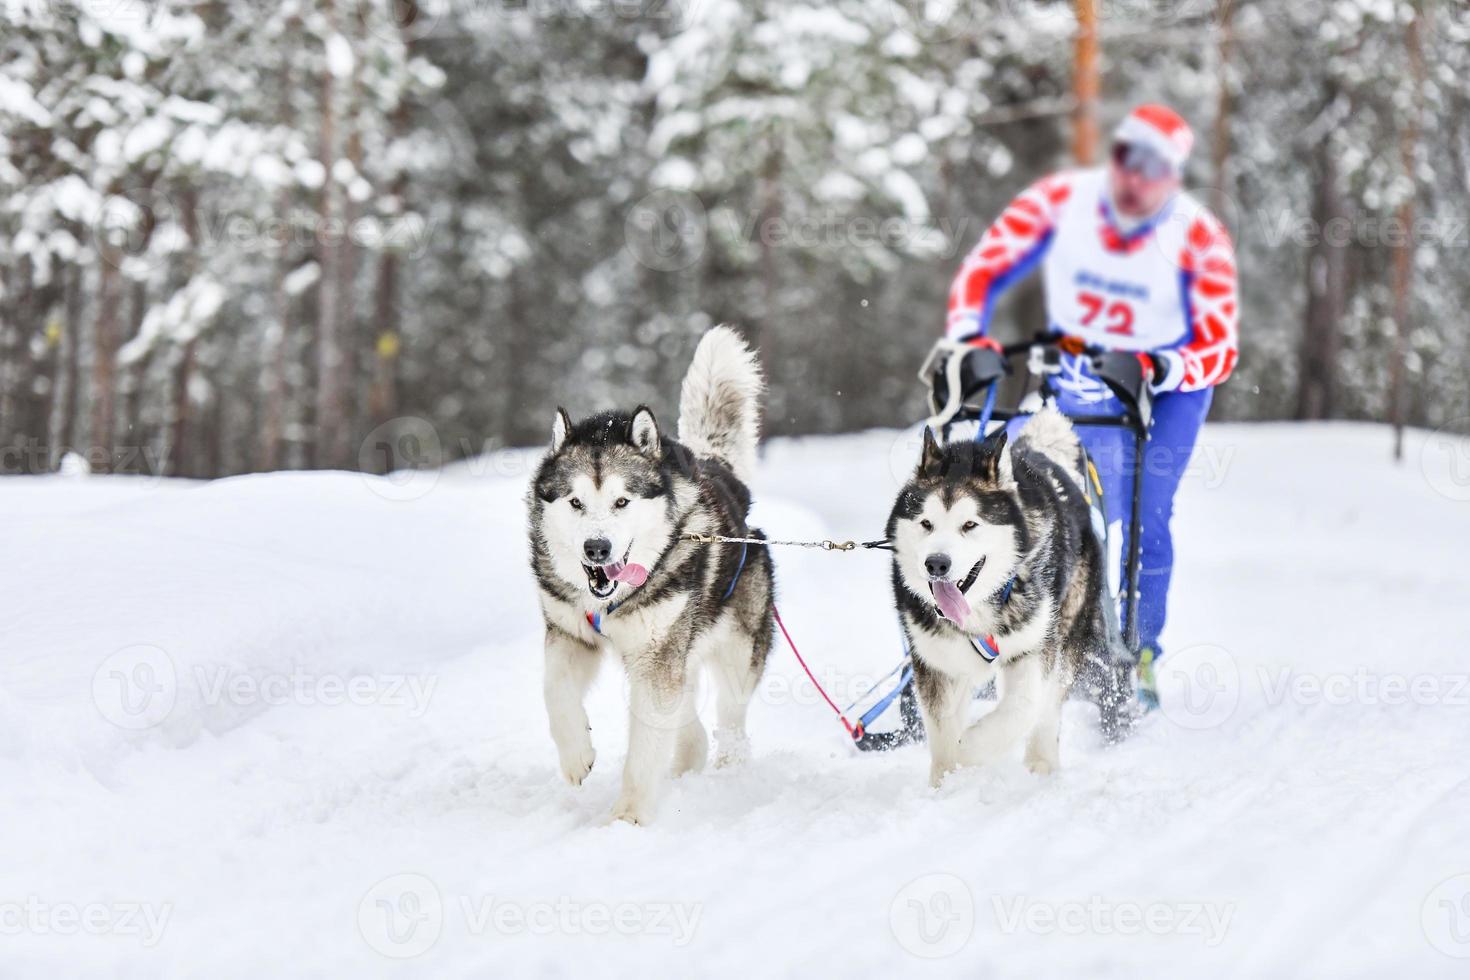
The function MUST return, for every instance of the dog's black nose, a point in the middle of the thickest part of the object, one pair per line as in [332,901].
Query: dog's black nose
[597,550]
[937,566]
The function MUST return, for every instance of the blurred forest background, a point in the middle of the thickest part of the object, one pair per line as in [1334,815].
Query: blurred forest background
[238,236]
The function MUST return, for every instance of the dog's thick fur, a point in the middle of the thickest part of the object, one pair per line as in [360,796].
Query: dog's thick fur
[616,479]
[997,513]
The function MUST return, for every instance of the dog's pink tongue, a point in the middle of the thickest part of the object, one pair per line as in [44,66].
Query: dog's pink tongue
[951,601]
[632,573]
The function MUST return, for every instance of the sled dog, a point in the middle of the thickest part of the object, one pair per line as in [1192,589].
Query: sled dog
[998,574]
[609,507]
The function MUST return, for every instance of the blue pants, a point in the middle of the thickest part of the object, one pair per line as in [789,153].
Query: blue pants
[1177,420]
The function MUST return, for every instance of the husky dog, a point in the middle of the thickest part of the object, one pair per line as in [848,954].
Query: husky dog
[610,506]
[998,574]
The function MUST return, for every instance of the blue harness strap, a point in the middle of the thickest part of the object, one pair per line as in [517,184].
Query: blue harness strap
[882,704]
[986,412]
[744,546]
[594,619]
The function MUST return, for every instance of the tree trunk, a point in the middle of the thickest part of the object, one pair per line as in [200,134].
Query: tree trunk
[273,386]
[765,330]
[1403,258]
[1326,292]
[104,358]
[180,429]
[331,393]
[15,301]
[274,353]
[1086,85]
[66,415]
[1224,108]
[383,395]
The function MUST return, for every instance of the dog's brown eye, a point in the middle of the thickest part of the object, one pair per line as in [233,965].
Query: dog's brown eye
[620,503]
[576,504]
[927,525]
[969,526]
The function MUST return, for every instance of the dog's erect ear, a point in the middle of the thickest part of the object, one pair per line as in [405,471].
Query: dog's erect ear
[931,457]
[643,433]
[993,461]
[560,426]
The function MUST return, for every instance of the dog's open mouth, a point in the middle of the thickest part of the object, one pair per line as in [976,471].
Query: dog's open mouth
[603,579]
[950,597]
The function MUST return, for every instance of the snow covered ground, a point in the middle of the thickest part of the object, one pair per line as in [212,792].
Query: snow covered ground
[292,726]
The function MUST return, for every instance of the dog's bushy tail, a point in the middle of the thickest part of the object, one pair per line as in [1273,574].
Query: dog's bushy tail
[1050,433]
[719,405]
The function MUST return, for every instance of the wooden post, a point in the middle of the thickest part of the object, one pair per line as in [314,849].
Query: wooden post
[1086,85]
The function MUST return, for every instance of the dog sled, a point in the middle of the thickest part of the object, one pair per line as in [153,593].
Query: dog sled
[973,392]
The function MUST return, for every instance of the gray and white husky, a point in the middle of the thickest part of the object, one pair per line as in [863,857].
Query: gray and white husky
[998,574]
[610,505]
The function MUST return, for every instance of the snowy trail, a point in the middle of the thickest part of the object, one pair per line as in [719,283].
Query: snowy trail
[346,720]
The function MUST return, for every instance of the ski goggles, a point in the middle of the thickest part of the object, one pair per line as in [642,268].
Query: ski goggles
[1145,161]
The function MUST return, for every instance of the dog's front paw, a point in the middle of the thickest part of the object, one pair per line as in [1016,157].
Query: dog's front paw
[1041,764]
[937,772]
[731,748]
[577,762]
[633,811]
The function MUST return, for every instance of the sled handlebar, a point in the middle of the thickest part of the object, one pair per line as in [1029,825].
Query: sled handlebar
[1121,371]
[1050,338]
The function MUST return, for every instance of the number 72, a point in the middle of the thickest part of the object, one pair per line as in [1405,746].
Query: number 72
[1119,314]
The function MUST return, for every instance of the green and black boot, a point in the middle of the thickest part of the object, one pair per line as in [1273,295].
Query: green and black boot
[1148,685]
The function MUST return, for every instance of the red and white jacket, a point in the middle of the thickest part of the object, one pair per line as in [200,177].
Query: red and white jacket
[1168,286]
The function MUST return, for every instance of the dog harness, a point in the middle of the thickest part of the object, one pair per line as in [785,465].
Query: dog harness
[594,619]
[985,645]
